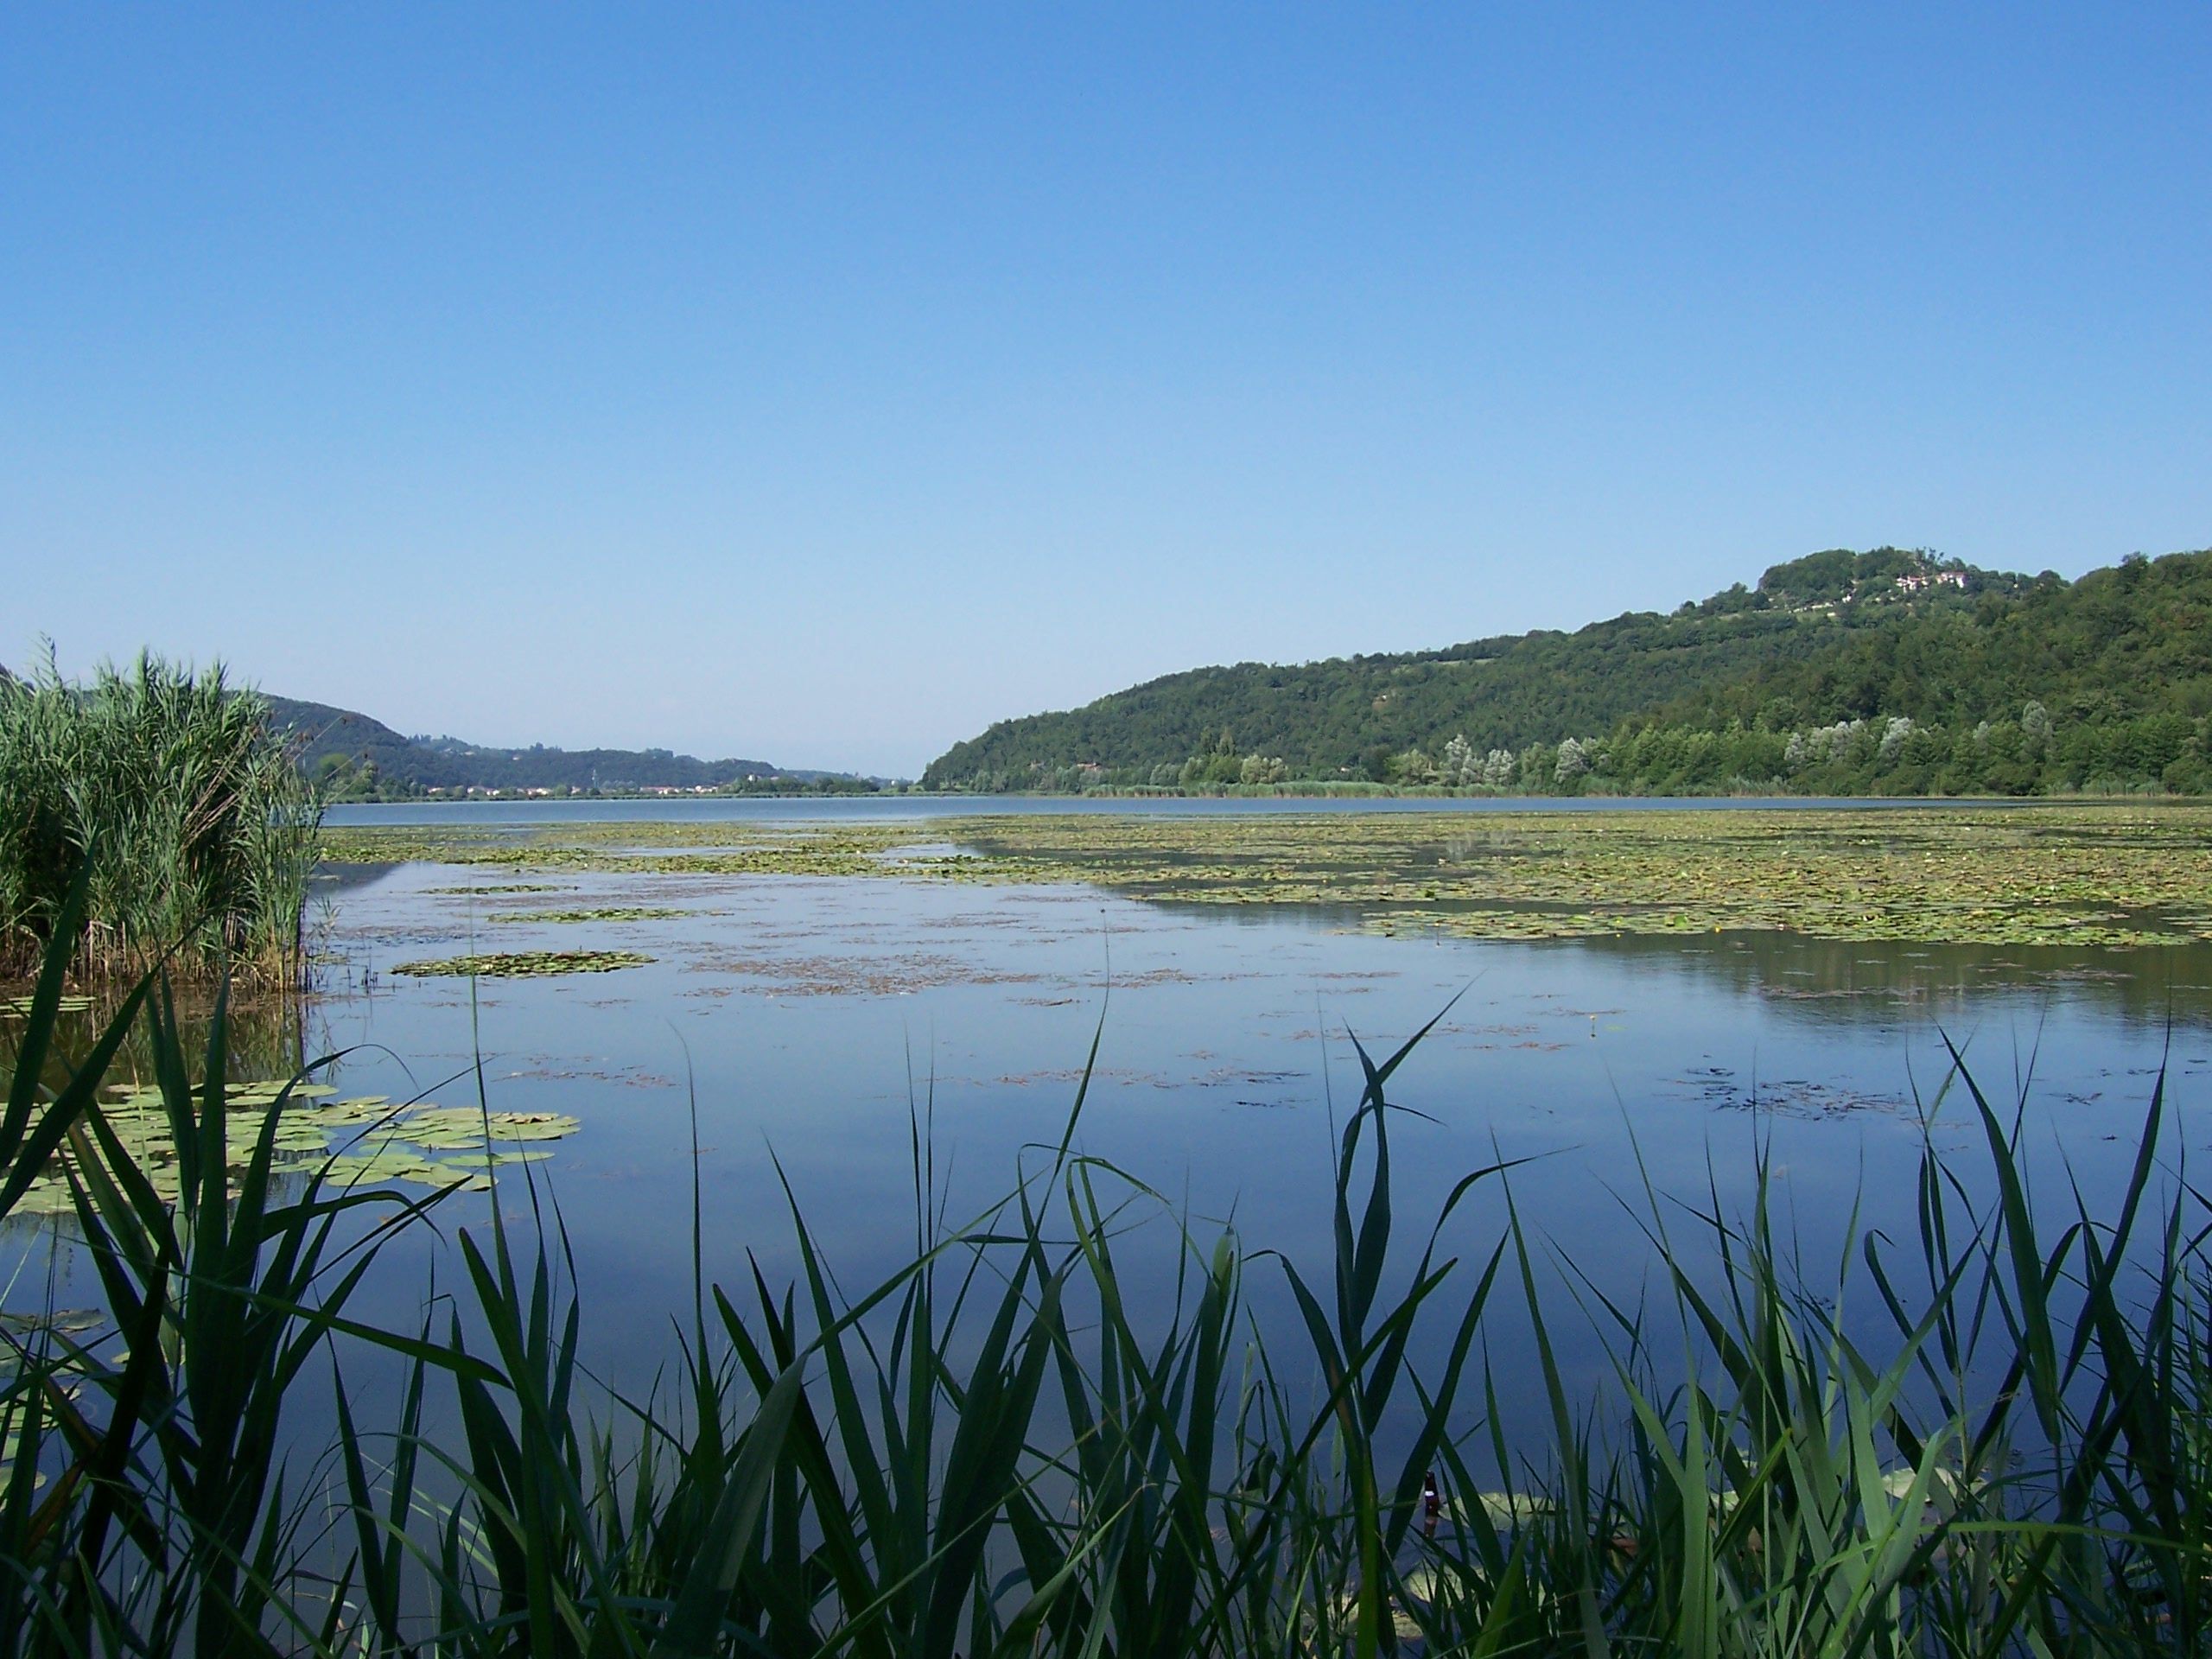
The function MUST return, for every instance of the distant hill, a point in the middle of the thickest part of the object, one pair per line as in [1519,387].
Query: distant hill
[2001,682]
[358,758]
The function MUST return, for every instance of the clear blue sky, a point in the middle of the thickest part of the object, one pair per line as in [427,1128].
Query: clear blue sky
[821,383]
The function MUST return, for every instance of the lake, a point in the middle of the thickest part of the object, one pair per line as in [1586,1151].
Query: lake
[810,1021]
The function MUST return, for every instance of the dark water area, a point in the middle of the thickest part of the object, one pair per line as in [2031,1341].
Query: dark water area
[810,1023]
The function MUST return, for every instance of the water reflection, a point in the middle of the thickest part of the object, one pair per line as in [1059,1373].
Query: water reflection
[1862,984]
[266,1039]
[268,1034]
[1878,984]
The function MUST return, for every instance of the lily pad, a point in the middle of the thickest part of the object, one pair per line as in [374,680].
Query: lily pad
[497,887]
[525,964]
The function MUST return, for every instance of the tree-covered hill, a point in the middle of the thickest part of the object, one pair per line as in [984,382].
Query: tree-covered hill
[357,758]
[1890,670]
[353,757]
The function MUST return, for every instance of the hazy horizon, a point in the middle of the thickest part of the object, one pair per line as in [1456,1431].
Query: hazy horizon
[820,387]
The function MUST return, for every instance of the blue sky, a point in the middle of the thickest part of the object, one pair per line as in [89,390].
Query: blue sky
[821,383]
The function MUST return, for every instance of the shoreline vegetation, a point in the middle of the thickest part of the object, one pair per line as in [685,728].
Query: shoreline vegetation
[991,1452]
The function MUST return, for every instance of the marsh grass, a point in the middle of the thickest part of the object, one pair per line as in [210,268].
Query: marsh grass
[206,828]
[995,1451]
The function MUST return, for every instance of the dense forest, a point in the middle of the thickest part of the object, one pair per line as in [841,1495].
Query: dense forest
[1891,671]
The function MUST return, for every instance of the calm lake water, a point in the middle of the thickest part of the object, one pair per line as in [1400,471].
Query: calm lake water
[807,1021]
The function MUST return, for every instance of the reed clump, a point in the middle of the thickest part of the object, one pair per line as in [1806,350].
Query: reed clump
[200,828]
[993,1452]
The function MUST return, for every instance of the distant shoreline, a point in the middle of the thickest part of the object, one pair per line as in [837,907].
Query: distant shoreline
[1439,792]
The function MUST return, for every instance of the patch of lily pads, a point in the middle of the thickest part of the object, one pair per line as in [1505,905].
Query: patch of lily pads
[523,965]
[360,1140]
[609,913]
[497,887]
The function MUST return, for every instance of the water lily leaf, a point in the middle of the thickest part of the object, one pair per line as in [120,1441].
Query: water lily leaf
[525,964]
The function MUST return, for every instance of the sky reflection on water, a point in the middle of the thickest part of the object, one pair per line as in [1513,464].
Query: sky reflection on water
[813,1020]
[807,1017]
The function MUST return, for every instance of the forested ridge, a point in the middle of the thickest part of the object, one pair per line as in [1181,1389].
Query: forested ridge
[1890,671]
[350,757]
[353,757]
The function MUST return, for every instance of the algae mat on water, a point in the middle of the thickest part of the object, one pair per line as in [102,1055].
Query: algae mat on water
[2116,876]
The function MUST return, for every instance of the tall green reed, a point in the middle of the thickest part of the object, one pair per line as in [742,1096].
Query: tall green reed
[198,823]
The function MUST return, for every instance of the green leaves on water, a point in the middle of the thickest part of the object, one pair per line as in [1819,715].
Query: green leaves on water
[366,1140]
[525,964]
[2118,875]
[441,1127]
[612,913]
[718,848]
[493,887]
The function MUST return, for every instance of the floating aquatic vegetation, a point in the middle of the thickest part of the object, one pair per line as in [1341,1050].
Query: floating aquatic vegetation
[610,914]
[462,1127]
[490,887]
[525,964]
[2117,876]
[669,848]
[2075,876]
[360,1140]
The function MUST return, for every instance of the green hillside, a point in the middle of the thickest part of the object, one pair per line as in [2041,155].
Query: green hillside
[1888,671]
